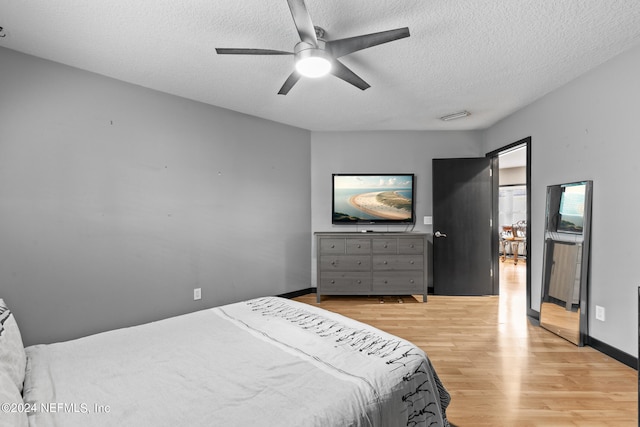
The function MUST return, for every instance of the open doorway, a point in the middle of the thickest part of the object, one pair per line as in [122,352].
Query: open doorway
[512,217]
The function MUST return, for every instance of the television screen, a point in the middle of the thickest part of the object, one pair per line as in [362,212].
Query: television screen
[572,208]
[373,199]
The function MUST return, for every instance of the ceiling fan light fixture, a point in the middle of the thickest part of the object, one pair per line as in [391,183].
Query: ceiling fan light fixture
[454,116]
[313,63]
[315,56]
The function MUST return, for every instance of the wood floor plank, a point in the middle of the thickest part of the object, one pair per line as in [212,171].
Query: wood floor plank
[500,369]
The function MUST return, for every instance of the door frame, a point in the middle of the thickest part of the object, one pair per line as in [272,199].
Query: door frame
[495,165]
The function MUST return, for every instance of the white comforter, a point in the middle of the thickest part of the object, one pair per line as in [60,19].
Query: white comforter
[263,362]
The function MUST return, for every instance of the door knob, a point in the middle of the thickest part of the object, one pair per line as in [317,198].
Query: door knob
[439,234]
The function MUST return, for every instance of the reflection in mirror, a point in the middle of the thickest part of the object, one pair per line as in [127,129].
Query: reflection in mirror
[560,309]
[563,309]
[561,322]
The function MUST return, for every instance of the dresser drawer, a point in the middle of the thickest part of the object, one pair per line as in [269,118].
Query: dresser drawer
[404,282]
[398,262]
[410,246]
[358,246]
[385,246]
[345,282]
[345,263]
[332,246]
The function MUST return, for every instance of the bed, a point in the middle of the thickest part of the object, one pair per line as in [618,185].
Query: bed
[267,361]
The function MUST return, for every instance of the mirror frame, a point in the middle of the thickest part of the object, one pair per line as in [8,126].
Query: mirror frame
[553,237]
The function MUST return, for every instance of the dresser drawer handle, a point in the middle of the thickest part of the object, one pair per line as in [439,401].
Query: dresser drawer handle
[358,246]
[386,281]
[385,262]
[333,282]
[359,282]
[411,262]
[412,246]
[386,246]
[412,281]
[333,263]
[333,246]
[359,262]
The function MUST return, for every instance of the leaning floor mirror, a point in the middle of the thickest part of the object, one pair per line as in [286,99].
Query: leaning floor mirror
[563,310]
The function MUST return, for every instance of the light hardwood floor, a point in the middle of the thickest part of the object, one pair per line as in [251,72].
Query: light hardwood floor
[500,369]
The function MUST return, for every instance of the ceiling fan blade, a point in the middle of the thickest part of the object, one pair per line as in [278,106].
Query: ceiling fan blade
[234,51]
[342,47]
[291,80]
[303,22]
[341,71]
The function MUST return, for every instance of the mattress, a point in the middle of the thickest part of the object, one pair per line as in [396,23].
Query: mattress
[267,362]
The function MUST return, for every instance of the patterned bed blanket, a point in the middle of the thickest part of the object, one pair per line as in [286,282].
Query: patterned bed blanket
[268,361]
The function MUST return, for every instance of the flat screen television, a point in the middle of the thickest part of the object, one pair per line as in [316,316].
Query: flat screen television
[373,199]
[571,212]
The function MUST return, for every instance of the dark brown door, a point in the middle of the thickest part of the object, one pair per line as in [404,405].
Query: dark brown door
[462,227]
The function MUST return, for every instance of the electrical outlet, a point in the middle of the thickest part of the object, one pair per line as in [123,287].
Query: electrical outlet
[599,313]
[197,294]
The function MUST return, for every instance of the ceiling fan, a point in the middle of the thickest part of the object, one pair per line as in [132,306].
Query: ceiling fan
[315,56]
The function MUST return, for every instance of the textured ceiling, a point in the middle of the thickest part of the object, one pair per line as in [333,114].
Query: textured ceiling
[490,57]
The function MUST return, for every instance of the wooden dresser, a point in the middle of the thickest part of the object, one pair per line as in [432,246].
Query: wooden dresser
[371,264]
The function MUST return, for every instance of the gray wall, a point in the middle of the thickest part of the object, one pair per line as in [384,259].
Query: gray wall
[116,201]
[588,129]
[381,152]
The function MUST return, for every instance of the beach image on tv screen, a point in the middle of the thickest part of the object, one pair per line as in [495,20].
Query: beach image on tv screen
[572,209]
[376,197]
